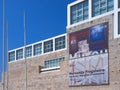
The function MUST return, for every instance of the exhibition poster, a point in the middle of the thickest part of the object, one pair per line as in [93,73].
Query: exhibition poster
[88,56]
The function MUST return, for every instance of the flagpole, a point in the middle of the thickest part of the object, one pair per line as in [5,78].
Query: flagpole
[3,78]
[7,57]
[25,52]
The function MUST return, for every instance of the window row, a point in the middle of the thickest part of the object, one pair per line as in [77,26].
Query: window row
[38,49]
[53,62]
[80,11]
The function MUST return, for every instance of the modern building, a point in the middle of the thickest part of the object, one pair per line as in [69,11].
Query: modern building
[87,57]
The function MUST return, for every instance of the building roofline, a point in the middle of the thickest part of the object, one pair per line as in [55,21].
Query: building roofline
[38,42]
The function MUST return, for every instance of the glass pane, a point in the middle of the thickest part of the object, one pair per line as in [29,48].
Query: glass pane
[54,62]
[79,6]
[101,6]
[38,49]
[119,23]
[19,54]
[60,43]
[103,3]
[79,12]
[95,7]
[12,56]
[74,8]
[118,3]
[85,4]
[103,10]
[29,51]
[110,5]
[48,46]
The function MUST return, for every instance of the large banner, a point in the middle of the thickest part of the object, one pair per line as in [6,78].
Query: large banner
[88,54]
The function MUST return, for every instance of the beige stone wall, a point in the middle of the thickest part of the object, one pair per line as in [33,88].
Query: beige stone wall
[36,80]
[58,79]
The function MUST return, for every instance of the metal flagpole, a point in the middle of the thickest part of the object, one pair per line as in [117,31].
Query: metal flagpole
[3,78]
[25,52]
[7,58]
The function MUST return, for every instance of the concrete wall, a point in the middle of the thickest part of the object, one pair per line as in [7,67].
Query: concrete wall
[58,79]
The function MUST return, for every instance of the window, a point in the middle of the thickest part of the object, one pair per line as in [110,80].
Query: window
[38,49]
[19,54]
[79,12]
[60,43]
[101,6]
[29,51]
[12,56]
[48,46]
[54,62]
[119,23]
[118,3]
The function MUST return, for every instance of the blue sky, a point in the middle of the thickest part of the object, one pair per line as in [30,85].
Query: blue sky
[44,19]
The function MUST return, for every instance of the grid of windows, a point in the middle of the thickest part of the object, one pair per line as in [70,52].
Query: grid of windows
[48,46]
[101,6]
[119,23]
[38,49]
[54,62]
[19,54]
[12,56]
[94,8]
[29,51]
[60,43]
[79,12]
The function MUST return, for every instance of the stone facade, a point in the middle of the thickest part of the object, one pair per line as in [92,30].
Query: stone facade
[58,79]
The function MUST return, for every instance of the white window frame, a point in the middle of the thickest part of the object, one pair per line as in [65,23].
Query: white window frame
[34,53]
[47,47]
[77,10]
[52,67]
[19,54]
[60,45]
[12,56]
[29,52]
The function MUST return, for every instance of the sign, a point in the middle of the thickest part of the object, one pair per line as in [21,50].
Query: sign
[88,54]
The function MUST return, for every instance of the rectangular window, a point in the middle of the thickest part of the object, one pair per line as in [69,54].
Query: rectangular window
[19,54]
[48,46]
[38,49]
[79,12]
[54,62]
[118,3]
[29,51]
[60,43]
[12,56]
[101,6]
[119,23]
